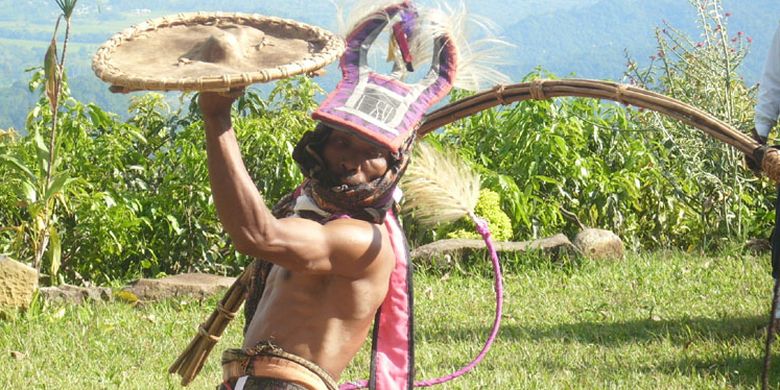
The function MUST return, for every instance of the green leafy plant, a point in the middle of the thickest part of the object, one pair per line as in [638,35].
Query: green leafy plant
[702,71]
[657,183]
[42,188]
[489,208]
[142,203]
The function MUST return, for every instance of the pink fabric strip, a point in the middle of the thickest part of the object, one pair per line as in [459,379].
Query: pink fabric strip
[394,344]
[393,358]
[400,382]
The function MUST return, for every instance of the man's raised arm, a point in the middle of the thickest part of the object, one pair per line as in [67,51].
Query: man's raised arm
[240,206]
[294,243]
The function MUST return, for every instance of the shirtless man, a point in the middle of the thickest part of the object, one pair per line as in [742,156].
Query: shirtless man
[320,302]
[339,257]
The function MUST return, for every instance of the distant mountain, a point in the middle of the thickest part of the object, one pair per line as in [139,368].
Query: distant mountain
[586,38]
[590,41]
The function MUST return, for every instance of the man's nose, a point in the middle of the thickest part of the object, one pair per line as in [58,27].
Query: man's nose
[350,164]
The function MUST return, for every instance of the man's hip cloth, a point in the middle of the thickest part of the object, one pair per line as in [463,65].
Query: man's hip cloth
[268,367]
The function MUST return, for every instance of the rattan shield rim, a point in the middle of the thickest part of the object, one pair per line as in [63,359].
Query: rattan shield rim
[125,81]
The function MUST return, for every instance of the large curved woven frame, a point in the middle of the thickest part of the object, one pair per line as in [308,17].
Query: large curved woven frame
[124,82]
[622,93]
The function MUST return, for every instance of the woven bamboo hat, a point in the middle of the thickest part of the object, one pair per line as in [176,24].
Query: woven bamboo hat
[212,52]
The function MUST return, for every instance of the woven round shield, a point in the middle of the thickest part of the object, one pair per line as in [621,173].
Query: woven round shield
[212,52]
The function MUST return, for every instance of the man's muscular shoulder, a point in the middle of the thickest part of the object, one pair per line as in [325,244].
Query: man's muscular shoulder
[362,247]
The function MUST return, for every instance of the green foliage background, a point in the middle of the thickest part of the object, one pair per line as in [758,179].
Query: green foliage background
[142,203]
[139,202]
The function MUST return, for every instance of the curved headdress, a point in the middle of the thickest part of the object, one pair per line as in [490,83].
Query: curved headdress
[383,108]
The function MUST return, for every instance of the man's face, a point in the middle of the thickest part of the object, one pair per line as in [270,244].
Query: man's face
[352,160]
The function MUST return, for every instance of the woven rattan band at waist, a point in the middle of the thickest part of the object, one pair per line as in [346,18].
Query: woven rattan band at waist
[278,365]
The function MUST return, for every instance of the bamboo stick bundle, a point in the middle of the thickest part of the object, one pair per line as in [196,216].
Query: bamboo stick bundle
[190,362]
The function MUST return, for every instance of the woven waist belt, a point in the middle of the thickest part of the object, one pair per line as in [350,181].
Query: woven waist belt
[272,362]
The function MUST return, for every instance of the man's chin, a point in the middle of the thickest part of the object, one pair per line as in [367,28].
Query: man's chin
[341,182]
[349,186]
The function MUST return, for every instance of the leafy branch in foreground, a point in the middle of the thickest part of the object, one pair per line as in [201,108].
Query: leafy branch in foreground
[43,187]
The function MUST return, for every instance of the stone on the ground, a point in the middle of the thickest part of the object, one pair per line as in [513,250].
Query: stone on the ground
[434,252]
[599,244]
[74,294]
[196,285]
[18,283]
[758,245]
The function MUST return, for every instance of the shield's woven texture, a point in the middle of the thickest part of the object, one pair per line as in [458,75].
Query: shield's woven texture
[212,52]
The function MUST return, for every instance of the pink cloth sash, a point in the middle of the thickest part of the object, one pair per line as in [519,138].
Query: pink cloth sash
[392,351]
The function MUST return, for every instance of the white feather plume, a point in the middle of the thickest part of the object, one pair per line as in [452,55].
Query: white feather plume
[438,186]
[358,11]
[480,50]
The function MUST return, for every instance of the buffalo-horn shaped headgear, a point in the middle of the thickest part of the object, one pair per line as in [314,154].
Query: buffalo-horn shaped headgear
[383,108]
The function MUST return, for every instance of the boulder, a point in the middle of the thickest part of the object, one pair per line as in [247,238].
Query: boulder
[18,283]
[447,249]
[75,294]
[196,285]
[599,244]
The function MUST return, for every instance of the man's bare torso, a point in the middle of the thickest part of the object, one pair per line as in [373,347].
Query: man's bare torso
[324,318]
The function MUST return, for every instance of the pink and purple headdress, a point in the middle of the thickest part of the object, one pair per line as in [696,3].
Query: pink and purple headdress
[386,109]
[383,108]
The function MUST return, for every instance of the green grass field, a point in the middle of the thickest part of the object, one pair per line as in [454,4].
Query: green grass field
[666,320]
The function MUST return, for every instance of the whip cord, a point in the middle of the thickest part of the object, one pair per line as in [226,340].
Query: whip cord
[482,228]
